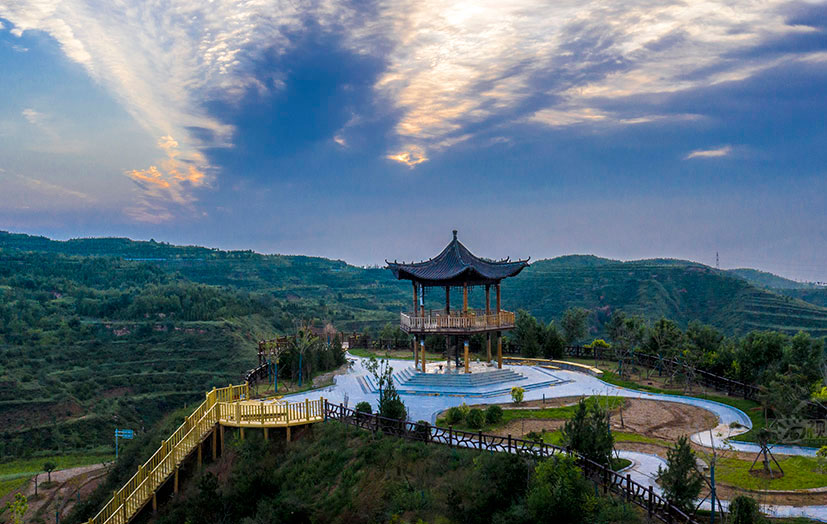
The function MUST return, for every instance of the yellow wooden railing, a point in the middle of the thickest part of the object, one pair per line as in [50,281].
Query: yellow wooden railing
[225,406]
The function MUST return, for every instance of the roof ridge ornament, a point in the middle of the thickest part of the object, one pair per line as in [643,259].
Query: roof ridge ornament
[455,234]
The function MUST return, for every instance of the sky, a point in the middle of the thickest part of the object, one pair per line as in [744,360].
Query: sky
[369,130]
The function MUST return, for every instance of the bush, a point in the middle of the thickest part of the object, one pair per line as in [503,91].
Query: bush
[364,407]
[517,394]
[475,418]
[681,481]
[587,432]
[559,492]
[464,409]
[422,430]
[744,510]
[494,414]
[453,416]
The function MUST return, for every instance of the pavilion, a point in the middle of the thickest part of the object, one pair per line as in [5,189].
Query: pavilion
[456,267]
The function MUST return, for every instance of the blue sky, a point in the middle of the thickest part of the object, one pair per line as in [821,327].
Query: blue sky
[368,130]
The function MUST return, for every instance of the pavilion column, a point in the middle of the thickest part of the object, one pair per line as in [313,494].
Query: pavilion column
[415,301]
[465,299]
[456,352]
[416,351]
[499,300]
[447,300]
[447,352]
[467,359]
[499,349]
[422,352]
[487,313]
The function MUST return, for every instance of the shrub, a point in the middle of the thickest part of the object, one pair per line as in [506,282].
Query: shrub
[422,430]
[364,407]
[744,510]
[475,418]
[517,394]
[494,414]
[453,416]
[464,409]
[587,432]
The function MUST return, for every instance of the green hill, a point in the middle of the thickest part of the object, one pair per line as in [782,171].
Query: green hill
[768,280]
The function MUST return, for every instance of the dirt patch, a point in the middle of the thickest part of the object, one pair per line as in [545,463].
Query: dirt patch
[40,413]
[658,419]
[116,392]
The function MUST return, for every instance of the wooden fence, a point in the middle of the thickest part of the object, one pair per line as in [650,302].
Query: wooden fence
[610,481]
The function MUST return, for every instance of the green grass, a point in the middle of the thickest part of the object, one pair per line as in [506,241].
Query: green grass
[621,436]
[14,474]
[558,413]
[799,473]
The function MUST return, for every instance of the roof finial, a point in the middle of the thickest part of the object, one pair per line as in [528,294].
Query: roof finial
[455,234]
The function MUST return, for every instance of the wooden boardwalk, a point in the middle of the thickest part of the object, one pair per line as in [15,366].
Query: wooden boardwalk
[230,406]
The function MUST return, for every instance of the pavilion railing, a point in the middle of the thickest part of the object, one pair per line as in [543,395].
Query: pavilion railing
[622,485]
[436,322]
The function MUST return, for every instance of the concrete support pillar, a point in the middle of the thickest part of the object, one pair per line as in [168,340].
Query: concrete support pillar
[499,349]
[266,434]
[467,357]
[422,352]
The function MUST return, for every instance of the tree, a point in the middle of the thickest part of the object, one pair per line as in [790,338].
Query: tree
[681,481]
[302,342]
[559,492]
[527,334]
[553,342]
[588,433]
[48,467]
[390,405]
[665,338]
[744,510]
[574,324]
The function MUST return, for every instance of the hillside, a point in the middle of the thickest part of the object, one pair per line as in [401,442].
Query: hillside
[768,280]
[99,333]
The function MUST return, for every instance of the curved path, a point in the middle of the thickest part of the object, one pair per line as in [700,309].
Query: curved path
[347,389]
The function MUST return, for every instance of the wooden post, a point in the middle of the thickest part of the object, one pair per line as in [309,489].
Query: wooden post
[465,299]
[288,433]
[488,347]
[222,438]
[199,454]
[154,503]
[499,302]
[628,488]
[488,299]
[214,440]
[416,351]
[175,482]
[242,432]
[416,302]
[307,409]
[467,359]
[447,352]
[238,411]
[499,349]
[447,300]
[422,352]
[266,434]
[651,502]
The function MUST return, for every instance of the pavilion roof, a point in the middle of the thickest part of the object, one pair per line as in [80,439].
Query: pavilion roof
[456,265]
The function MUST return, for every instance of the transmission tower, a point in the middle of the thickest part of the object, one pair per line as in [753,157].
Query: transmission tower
[717,261]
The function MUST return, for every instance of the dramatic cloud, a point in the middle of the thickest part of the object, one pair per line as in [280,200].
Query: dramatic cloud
[709,153]
[451,71]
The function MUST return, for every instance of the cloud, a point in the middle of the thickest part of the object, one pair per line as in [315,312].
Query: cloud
[709,153]
[168,186]
[35,118]
[451,72]
[411,157]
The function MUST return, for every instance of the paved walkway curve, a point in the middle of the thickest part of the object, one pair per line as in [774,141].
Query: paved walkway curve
[348,389]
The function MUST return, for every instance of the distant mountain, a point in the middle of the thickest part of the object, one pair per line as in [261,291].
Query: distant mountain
[353,297]
[768,280]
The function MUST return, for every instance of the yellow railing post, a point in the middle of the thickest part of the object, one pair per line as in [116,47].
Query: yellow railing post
[238,411]
[307,409]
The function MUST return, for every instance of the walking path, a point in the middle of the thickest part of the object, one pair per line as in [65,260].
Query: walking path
[349,389]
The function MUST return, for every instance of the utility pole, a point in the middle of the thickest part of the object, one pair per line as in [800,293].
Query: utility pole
[717,261]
